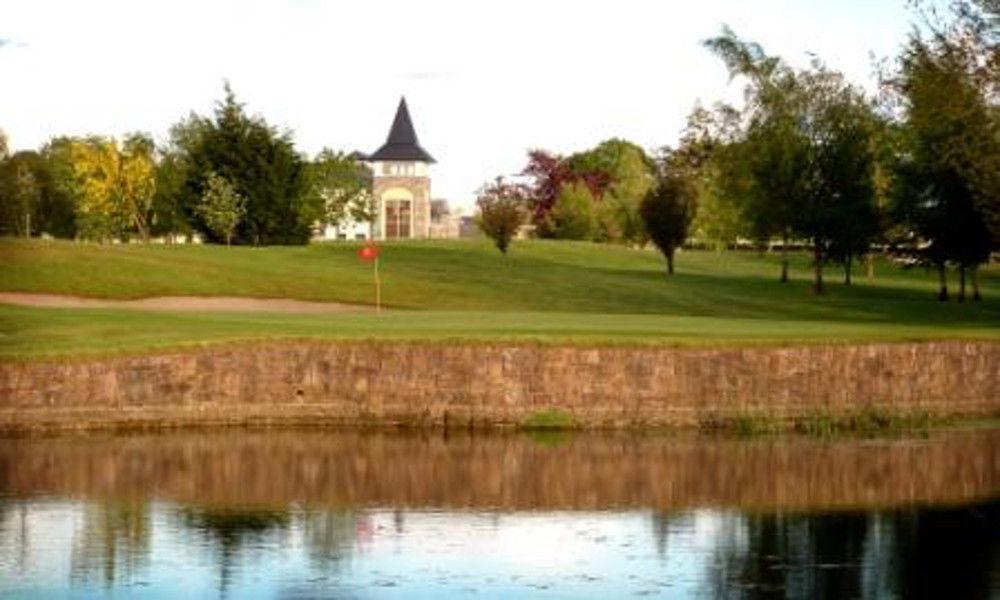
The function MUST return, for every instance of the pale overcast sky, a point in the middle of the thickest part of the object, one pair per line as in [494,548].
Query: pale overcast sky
[485,81]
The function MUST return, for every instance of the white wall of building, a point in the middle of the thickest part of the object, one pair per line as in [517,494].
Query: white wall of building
[347,230]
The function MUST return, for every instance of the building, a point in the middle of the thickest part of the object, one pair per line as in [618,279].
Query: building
[401,182]
[445,223]
[401,188]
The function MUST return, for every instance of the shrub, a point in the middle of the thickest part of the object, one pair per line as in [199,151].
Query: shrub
[502,210]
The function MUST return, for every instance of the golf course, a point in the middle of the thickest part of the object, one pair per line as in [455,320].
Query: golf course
[549,292]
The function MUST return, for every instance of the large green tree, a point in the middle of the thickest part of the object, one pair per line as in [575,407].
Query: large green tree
[259,162]
[29,182]
[630,174]
[573,215]
[807,156]
[948,174]
[775,149]
[839,215]
[712,142]
[59,215]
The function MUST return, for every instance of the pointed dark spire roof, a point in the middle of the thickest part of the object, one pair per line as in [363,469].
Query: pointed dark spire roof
[402,142]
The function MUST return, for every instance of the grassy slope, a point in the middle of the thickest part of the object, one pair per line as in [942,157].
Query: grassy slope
[547,291]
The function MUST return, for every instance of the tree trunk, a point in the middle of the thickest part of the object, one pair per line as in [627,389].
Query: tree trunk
[870,265]
[784,259]
[27,224]
[818,268]
[229,238]
[961,283]
[976,297]
[670,263]
[943,278]
[847,270]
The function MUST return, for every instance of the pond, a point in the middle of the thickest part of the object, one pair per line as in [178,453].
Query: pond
[334,514]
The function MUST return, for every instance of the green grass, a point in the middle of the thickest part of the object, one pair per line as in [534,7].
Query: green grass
[549,419]
[548,292]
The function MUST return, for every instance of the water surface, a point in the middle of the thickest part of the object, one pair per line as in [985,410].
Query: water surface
[310,514]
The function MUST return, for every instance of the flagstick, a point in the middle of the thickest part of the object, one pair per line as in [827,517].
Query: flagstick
[378,290]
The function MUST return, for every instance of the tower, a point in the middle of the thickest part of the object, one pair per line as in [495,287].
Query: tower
[401,183]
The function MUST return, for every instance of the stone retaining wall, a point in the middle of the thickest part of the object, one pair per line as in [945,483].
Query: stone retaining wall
[436,384]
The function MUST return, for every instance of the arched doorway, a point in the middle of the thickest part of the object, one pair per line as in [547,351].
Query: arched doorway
[397,213]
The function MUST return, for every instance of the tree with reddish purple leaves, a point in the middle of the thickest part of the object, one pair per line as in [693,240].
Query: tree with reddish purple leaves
[548,173]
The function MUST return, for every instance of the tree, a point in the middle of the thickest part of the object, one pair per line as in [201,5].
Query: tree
[26,196]
[259,162]
[96,167]
[946,177]
[22,192]
[667,212]
[573,216]
[114,187]
[838,215]
[549,174]
[168,215]
[58,211]
[775,152]
[712,142]
[618,174]
[340,185]
[221,207]
[809,155]
[137,182]
[501,211]
[4,146]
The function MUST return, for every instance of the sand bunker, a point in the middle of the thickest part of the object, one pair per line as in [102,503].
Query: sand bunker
[185,303]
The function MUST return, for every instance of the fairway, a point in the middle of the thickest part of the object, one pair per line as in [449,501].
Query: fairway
[543,291]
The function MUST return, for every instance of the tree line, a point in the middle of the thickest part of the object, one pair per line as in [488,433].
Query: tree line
[808,158]
[228,177]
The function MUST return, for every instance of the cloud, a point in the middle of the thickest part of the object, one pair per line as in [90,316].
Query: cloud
[4,42]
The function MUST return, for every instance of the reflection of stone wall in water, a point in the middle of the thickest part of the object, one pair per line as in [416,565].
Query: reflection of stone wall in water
[437,384]
[274,468]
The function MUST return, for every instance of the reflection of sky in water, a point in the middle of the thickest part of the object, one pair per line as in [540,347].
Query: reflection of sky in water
[377,554]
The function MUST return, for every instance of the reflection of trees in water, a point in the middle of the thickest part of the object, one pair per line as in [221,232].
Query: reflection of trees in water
[231,531]
[942,553]
[329,538]
[911,554]
[665,524]
[797,556]
[112,543]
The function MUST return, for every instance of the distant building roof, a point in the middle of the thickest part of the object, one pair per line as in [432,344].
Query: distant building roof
[402,142]
[358,155]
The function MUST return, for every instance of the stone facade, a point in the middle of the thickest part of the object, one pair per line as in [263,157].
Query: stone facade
[479,384]
[419,188]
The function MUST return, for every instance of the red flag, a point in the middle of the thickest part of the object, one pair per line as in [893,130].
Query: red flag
[368,252]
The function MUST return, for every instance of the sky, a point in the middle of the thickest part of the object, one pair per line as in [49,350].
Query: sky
[485,80]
